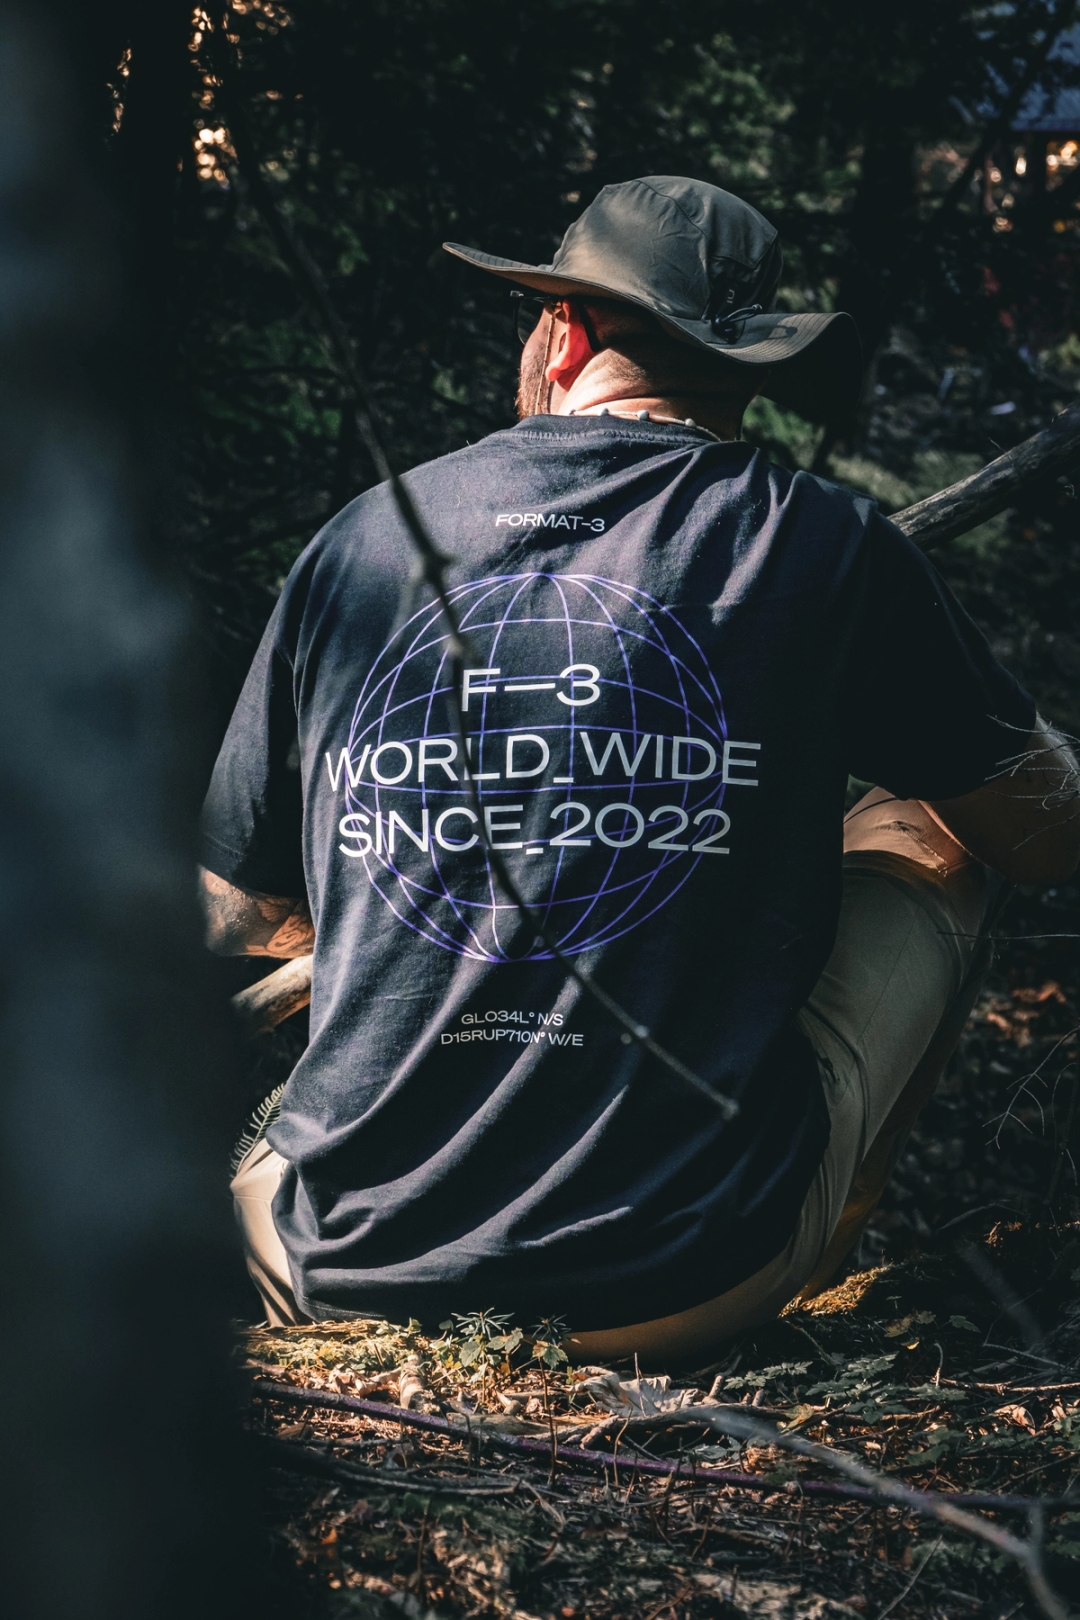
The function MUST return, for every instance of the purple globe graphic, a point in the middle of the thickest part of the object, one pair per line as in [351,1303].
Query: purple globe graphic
[596,738]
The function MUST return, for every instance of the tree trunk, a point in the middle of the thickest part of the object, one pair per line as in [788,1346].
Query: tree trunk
[116,1249]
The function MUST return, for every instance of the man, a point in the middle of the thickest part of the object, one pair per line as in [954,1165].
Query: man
[678,655]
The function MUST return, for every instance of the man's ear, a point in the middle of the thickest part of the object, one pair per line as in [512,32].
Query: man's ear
[571,347]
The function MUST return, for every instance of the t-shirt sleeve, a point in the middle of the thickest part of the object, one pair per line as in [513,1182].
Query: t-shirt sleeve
[252,820]
[929,713]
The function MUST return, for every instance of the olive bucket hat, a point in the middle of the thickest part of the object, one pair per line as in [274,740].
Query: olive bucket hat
[707,266]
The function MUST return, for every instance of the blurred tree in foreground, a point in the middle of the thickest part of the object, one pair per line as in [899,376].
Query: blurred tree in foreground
[881,141]
[126,1492]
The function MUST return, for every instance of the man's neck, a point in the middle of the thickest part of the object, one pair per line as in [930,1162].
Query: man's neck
[717,415]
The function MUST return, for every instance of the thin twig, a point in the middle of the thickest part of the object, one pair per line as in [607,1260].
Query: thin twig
[900,1596]
[1026,1553]
[305,1460]
[1027,1355]
[1009,1388]
[646,1421]
[867,1483]
[1003,1294]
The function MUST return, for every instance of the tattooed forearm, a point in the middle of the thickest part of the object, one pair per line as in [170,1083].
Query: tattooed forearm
[1026,821]
[240,922]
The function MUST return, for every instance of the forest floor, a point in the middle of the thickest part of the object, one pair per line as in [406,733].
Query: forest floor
[948,1357]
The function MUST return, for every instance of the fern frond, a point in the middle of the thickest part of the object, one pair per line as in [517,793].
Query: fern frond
[257,1127]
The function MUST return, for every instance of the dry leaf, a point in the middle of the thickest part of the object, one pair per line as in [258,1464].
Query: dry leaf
[759,1458]
[796,1416]
[1018,1415]
[637,1397]
[411,1386]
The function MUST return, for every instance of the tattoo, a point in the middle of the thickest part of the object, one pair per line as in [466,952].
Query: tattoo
[1048,769]
[241,922]
[1025,822]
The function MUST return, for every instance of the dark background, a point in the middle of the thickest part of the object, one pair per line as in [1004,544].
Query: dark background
[384,128]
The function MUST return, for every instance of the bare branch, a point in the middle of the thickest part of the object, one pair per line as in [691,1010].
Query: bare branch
[276,997]
[993,488]
[576,1457]
[1026,1553]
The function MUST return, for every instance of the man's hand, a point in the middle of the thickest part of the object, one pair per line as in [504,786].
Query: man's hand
[240,922]
[1026,822]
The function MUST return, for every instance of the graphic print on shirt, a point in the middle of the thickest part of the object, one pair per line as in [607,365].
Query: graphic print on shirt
[597,738]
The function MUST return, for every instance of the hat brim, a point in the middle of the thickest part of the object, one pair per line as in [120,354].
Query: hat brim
[814,361]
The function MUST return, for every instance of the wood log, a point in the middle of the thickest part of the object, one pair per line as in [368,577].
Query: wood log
[276,997]
[993,488]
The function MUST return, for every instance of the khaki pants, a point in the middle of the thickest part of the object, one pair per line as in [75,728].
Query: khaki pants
[910,954]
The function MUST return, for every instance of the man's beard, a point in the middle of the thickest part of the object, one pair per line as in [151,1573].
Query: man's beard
[530,385]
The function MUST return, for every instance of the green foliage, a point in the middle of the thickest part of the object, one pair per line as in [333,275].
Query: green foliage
[483,1341]
[546,1349]
[484,1345]
[387,128]
[783,435]
[784,1370]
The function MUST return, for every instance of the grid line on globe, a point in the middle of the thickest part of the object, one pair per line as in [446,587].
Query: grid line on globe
[595,733]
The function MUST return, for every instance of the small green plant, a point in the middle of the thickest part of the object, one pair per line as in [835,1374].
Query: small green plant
[479,1340]
[546,1348]
[483,1346]
[485,1341]
[548,1353]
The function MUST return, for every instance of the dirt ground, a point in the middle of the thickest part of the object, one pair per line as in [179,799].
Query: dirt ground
[948,1357]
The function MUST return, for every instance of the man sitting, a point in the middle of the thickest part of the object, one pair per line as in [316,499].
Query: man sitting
[678,653]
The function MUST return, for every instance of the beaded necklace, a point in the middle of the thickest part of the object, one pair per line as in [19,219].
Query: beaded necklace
[647,416]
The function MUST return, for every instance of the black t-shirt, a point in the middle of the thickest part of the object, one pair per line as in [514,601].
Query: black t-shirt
[679,653]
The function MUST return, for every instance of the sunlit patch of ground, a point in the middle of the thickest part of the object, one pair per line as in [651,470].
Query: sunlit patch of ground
[947,1357]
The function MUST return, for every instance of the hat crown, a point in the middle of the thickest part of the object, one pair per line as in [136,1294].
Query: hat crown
[684,247]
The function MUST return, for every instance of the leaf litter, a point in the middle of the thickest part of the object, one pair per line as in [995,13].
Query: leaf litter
[947,1358]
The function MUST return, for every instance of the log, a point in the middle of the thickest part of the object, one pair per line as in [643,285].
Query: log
[993,488]
[276,997]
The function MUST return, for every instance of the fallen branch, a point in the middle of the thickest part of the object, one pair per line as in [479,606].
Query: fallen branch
[993,488]
[305,1460]
[868,1485]
[575,1457]
[618,1425]
[932,1505]
[1012,1389]
[276,997]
